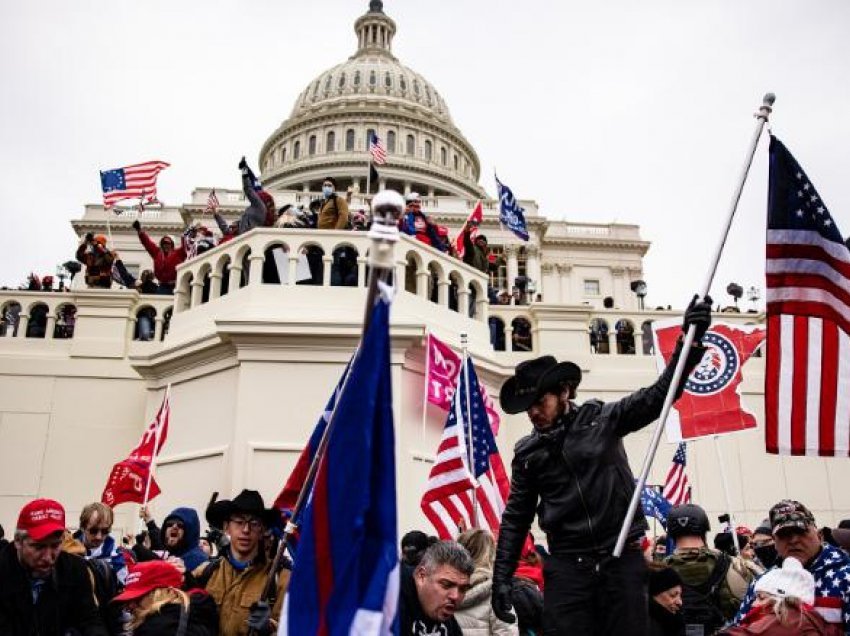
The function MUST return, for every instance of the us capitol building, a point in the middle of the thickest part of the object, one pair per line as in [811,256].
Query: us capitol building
[251,365]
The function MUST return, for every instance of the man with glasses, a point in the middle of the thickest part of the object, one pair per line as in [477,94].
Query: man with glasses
[795,534]
[42,589]
[236,579]
[94,533]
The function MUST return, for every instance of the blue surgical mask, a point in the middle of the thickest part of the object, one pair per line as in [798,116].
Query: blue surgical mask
[327,191]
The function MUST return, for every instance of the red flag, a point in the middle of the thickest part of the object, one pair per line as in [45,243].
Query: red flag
[474,219]
[443,366]
[129,478]
[710,404]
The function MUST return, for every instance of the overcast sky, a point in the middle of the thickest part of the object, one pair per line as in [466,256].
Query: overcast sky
[635,112]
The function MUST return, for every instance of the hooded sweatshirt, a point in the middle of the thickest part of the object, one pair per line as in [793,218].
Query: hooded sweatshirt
[475,614]
[188,548]
[164,265]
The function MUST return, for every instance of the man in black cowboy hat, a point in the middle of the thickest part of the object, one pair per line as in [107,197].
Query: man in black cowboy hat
[236,580]
[573,472]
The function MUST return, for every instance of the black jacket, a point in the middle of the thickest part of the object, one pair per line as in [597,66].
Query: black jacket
[202,619]
[412,620]
[576,476]
[66,601]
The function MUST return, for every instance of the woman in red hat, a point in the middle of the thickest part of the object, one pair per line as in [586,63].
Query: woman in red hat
[157,605]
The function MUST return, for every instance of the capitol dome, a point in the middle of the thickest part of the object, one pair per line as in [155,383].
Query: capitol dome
[327,131]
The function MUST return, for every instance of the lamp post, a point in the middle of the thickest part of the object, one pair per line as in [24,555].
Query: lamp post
[639,288]
[753,295]
[61,274]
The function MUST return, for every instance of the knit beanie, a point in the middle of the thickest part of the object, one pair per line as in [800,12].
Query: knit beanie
[789,580]
[663,580]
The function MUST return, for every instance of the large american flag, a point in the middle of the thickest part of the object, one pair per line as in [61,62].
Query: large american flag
[453,490]
[212,203]
[377,150]
[807,379]
[131,182]
[677,490]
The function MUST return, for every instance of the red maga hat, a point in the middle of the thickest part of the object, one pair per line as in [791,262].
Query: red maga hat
[148,576]
[42,517]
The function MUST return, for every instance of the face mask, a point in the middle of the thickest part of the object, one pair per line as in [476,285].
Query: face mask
[767,555]
[327,191]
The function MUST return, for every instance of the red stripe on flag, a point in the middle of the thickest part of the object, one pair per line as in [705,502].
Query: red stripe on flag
[799,385]
[807,252]
[771,381]
[324,567]
[829,388]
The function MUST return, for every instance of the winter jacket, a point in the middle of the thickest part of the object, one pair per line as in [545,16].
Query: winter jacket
[831,569]
[98,261]
[66,600]
[164,265]
[527,600]
[799,623]
[418,225]
[202,619]
[474,255]
[576,475]
[188,549]
[255,215]
[234,592]
[664,623]
[334,214]
[412,619]
[475,614]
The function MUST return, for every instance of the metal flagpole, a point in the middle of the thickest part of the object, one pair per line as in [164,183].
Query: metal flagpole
[762,115]
[725,484]
[470,451]
[427,385]
[157,431]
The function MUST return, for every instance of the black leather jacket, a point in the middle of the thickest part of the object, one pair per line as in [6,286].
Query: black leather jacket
[576,476]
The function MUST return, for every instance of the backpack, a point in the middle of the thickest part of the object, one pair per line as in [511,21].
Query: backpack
[701,603]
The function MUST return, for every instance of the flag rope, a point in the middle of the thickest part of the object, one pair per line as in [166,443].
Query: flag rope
[762,116]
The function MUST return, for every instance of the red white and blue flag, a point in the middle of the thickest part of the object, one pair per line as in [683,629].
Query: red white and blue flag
[377,150]
[711,402]
[345,578]
[807,379]
[461,494]
[472,221]
[677,489]
[137,181]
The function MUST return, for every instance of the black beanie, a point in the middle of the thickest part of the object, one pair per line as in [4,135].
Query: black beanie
[415,539]
[663,580]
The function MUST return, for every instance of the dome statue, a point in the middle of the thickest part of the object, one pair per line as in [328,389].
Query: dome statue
[328,129]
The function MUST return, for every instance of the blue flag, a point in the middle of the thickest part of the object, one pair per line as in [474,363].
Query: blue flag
[346,573]
[655,505]
[511,215]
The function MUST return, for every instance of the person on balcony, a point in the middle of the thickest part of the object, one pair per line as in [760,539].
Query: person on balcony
[165,258]
[416,223]
[97,259]
[334,212]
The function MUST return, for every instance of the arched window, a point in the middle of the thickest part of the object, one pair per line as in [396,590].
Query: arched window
[311,146]
[402,83]
[427,96]
[444,156]
[429,150]
[37,325]
[66,318]
[341,82]
[598,331]
[356,78]
[328,82]
[296,150]
[283,154]
[373,78]
[625,336]
[455,162]
[388,80]
[349,139]
[391,142]
[330,143]
[316,89]
[411,145]
[369,133]
[416,87]
[521,336]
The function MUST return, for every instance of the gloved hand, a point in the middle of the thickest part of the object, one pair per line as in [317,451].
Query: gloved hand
[137,226]
[89,237]
[243,164]
[501,602]
[259,617]
[698,313]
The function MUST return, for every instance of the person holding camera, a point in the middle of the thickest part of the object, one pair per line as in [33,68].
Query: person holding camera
[97,259]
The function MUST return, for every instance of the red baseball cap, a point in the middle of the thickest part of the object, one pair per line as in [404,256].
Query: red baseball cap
[148,576]
[42,517]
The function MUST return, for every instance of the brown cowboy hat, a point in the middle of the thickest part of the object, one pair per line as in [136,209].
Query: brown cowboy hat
[248,502]
[532,378]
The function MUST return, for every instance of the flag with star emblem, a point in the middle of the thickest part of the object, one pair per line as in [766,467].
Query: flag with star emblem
[131,182]
[511,214]
[807,376]
[654,504]
[458,495]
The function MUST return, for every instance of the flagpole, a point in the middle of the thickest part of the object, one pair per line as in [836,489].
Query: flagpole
[156,435]
[386,210]
[368,175]
[470,450]
[725,484]
[427,385]
[762,116]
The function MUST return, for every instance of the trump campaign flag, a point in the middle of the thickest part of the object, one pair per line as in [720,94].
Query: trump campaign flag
[711,402]
[345,578]
[807,379]
[137,181]
[511,215]
[132,480]
[442,366]
[473,220]
[462,494]
[654,504]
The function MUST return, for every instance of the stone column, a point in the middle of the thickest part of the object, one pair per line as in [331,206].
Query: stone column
[511,252]
[443,293]
[293,268]
[564,279]
[326,270]
[51,327]
[234,282]
[532,266]
[549,286]
[215,285]
[197,293]
[382,184]
[463,301]
[159,321]
[361,271]
[422,278]
[619,287]
[255,269]
[180,300]
[482,308]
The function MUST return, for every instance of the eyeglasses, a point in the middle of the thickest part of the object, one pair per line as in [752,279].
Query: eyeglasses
[252,524]
[98,531]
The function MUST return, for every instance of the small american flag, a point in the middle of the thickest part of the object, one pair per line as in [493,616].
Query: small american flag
[131,182]
[212,203]
[377,150]
[807,379]
[676,488]
[453,490]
